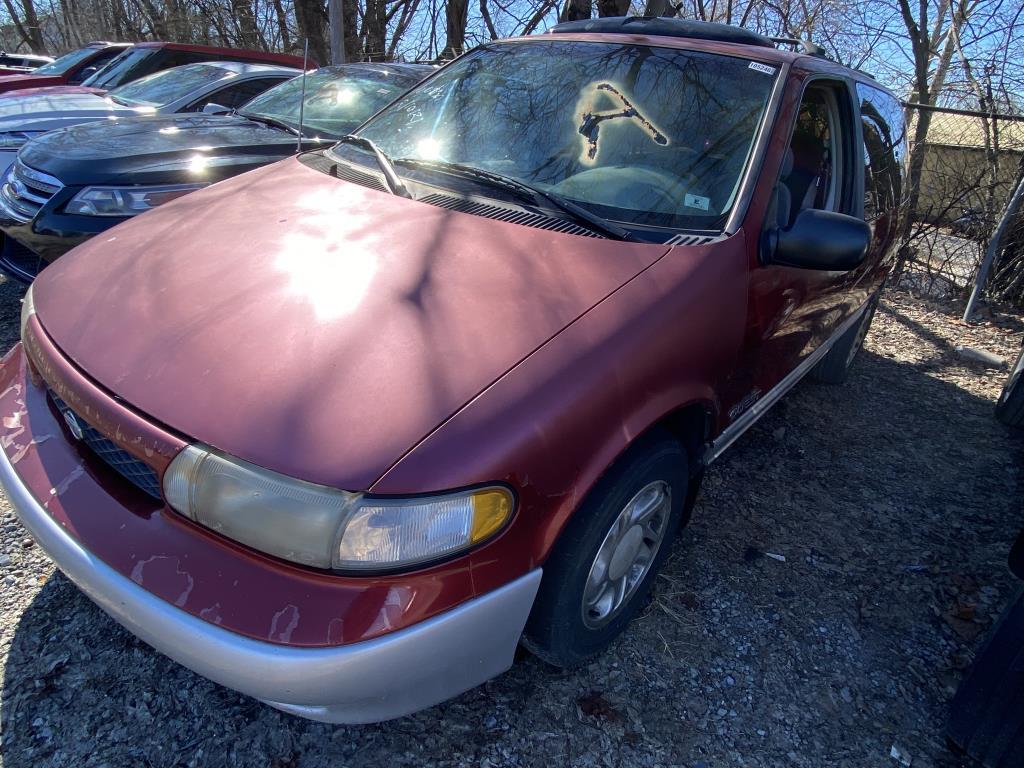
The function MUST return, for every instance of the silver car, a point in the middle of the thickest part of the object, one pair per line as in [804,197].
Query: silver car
[30,113]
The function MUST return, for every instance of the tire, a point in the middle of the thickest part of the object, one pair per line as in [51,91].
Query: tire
[562,630]
[986,716]
[1010,406]
[835,366]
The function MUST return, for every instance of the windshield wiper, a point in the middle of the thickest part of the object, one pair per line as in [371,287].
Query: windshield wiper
[387,167]
[527,192]
[120,101]
[272,122]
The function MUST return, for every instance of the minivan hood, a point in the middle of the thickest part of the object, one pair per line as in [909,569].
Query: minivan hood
[158,149]
[313,326]
[45,111]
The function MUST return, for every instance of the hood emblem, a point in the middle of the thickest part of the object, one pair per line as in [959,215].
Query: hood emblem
[74,425]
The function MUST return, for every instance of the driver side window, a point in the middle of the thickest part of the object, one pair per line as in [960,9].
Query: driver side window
[814,169]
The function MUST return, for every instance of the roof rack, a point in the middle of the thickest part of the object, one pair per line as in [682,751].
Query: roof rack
[805,46]
[662,26]
[667,26]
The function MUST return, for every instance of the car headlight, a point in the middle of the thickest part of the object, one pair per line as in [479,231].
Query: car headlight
[28,308]
[325,527]
[125,201]
[15,139]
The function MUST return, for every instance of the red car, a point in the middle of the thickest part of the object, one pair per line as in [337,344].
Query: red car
[340,432]
[72,68]
[82,67]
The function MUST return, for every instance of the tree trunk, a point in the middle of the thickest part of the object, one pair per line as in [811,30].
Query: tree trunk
[485,14]
[574,10]
[375,30]
[659,8]
[612,7]
[456,14]
[311,19]
[248,35]
[927,84]
[282,25]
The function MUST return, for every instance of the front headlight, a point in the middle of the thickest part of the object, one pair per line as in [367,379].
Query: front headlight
[15,139]
[324,527]
[28,308]
[125,201]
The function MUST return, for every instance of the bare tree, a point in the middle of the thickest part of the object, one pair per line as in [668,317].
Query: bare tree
[27,25]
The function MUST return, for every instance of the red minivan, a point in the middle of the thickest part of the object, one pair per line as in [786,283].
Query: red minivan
[341,432]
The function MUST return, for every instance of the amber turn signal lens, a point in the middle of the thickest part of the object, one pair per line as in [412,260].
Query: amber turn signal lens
[491,509]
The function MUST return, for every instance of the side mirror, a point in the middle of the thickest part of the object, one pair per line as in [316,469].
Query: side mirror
[817,239]
[213,108]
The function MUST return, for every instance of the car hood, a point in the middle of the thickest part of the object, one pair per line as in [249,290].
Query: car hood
[50,90]
[10,82]
[313,326]
[142,150]
[45,110]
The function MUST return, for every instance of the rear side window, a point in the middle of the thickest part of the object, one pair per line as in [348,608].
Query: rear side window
[238,94]
[885,145]
[130,65]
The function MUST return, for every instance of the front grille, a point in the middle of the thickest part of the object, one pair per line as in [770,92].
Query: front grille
[138,473]
[25,191]
[20,259]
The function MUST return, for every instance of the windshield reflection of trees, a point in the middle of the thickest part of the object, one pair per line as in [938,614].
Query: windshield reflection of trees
[513,109]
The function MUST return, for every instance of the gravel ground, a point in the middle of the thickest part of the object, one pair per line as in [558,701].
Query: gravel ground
[893,499]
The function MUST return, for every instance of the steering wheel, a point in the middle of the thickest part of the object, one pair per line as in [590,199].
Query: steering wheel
[628,186]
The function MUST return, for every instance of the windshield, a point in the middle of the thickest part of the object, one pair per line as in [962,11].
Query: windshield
[65,63]
[335,103]
[633,133]
[167,86]
[126,67]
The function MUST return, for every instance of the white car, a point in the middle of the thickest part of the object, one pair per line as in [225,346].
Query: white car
[182,89]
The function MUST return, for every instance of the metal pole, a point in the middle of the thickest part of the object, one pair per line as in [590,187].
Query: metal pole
[336,15]
[993,246]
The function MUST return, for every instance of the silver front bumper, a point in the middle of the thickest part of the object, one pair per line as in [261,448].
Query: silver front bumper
[375,680]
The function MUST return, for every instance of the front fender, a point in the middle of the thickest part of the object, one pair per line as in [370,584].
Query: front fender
[553,425]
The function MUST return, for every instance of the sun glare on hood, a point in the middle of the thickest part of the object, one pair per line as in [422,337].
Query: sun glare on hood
[332,282]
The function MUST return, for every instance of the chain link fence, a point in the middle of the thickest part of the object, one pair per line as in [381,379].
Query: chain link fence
[969,164]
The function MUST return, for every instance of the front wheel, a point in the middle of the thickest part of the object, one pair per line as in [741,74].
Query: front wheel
[1010,407]
[605,562]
